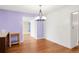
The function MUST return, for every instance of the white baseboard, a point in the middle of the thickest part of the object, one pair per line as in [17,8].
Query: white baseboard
[59,43]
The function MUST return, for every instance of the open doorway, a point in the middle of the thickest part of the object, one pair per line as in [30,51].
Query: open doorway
[75,29]
[26,27]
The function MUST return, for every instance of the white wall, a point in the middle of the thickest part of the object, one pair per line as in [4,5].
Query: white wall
[58,25]
[33,29]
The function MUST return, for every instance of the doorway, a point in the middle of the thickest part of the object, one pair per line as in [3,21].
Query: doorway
[75,29]
[26,27]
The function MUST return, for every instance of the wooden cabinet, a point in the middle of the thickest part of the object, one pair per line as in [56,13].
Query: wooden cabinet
[10,38]
[4,39]
[2,44]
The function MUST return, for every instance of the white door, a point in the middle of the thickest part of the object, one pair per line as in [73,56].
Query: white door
[74,28]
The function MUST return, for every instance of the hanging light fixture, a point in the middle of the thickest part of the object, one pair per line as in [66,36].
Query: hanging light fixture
[41,16]
[40,12]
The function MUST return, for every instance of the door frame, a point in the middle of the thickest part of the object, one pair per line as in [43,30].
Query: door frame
[23,20]
[72,26]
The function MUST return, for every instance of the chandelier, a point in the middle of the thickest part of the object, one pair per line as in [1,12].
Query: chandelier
[41,16]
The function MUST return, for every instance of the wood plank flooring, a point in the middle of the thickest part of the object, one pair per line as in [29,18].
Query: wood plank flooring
[31,45]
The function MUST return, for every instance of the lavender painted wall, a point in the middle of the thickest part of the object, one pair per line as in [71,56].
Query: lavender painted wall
[11,21]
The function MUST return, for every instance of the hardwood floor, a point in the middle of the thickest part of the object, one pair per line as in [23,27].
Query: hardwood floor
[31,45]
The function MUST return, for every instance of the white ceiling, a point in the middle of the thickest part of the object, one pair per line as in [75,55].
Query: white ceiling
[33,9]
